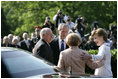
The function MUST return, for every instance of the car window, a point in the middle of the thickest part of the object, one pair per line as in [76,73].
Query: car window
[23,65]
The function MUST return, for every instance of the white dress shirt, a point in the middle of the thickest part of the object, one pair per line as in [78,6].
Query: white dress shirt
[104,50]
[71,24]
[27,42]
[60,41]
[55,17]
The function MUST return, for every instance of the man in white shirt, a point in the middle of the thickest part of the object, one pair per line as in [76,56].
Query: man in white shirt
[59,18]
[70,23]
[25,43]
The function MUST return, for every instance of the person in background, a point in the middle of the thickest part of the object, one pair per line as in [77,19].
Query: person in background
[69,59]
[42,47]
[33,39]
[10,36]
[58,44]
[80,26]
[48,24]
[37,32]
[33,35]
[18,37]
[25,43]
[15,43]
[59,18]
[100,38]
[70,23]
[6,42]
[95,25]
[91,44]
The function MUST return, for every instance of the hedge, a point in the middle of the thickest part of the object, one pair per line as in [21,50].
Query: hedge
[113,62]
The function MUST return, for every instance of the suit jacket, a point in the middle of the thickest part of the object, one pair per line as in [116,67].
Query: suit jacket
[4,45]
[44,50]
[71,58]
[24,46]
[15,46]
[56,51]
[34,41]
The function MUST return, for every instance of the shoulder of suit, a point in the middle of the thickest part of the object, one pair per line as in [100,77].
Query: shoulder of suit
[22,41]
[55,39]
[41,42]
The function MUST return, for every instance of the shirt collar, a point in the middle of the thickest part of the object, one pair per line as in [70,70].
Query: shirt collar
[61,39]
[25,40]
[104,44]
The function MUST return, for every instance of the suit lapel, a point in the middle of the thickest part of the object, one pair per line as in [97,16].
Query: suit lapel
[57,44]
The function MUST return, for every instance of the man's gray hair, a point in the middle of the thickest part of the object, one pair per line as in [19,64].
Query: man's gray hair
[25,34]
[5,37]
[15,38]
[44,31]
[61,25]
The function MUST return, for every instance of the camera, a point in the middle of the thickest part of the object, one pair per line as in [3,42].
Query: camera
[68,19]
[95,24]
[78,20]
[47,19]
[60,12]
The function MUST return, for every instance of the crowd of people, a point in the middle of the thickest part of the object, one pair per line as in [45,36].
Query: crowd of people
[67,48]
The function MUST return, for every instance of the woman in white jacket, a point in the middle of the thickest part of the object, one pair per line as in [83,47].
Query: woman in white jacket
[100,38]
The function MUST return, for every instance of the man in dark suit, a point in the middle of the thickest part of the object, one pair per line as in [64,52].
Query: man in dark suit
[58,44]
[42,47]
[25,43]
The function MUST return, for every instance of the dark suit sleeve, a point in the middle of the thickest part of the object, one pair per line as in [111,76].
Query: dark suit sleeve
[55,48]
[41,51]
[23,45]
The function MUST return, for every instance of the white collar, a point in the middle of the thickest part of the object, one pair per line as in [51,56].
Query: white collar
[61,39]
[104,44]
[25,40]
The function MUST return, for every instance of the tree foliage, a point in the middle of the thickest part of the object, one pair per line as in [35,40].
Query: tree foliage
[24,15]
[4,26]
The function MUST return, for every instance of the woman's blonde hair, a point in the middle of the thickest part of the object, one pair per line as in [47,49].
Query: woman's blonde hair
[73,39]
[100,32]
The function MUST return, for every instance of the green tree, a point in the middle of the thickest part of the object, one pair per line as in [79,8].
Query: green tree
[4,26]
[24,15]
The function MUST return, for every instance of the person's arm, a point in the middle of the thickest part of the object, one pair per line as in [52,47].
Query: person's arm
[35,48]
[83,25]
[95,64]
[55,18]
[85,56]
[65,18]
[100,54]
[72,25]
[75,26]
[61,62]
